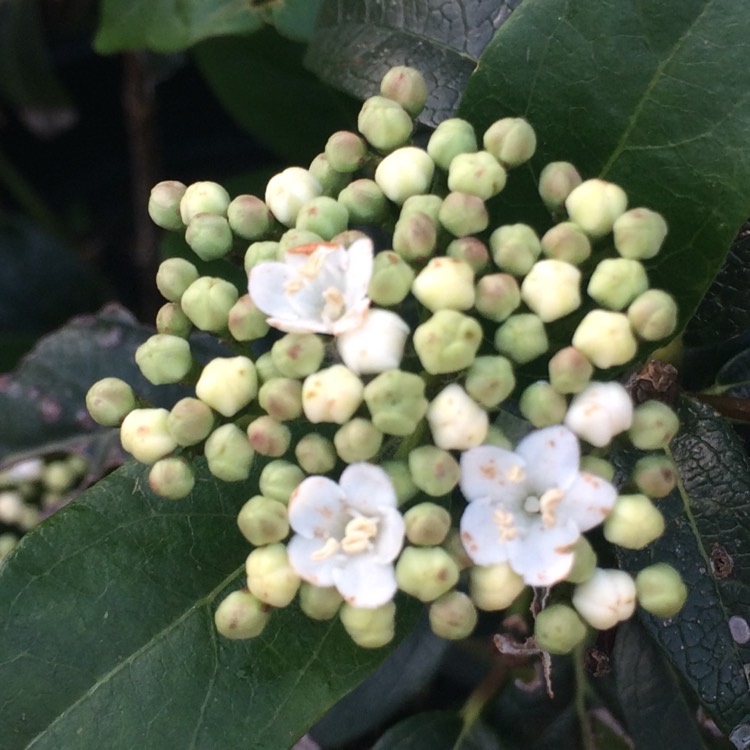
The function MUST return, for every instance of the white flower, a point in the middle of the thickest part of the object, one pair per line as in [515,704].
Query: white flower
[530,506]
[599,412]
[319,288]
[376,345]
[348,534]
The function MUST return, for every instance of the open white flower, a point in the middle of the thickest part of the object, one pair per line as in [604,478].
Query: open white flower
[529,507]
[348,534]
[319,288]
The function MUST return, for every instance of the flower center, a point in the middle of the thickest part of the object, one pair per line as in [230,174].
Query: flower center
[506,524]
[358,535]
[546,505]
[333,308]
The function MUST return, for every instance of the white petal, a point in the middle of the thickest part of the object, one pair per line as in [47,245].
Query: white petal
[375,343]
[390,537]
[480,534]
[588,501]
[302,557]
[316,509]
[492,472]
[364,583]
[366,488]
[544,556]
[359,271]
[266,287]
[552,455]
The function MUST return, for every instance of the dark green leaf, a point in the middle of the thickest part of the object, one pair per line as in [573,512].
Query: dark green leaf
[295,19]
[356,43]
[107,639]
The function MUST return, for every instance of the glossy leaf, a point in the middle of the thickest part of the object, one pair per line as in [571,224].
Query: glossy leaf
[107,638]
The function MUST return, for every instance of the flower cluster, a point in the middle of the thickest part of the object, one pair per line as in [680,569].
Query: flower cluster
[365,384]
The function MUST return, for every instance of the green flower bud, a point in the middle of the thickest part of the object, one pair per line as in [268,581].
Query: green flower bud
[245,321]
[584,561]
[266,369]
[401,479]
[633,522]
[447,342]
[288,191]
[348,237]
[522,338]
[319,602]
[279,479]
[453,616]
[369,628]
[654,426]
[190,421]
[281,398]
[542,405]
[512,141]
[433,470]
[407,171]
[296,237]
[172,320]
[164,359]
[463,214]
[426,572]
[172,478]
[497,296]
[660,590]
[616,282]
[145,436]
[653,315]
[478,173]
[315,454]
[209,236]
[515,248]
[346,151]
[551,289]
[229,453]
[450,138]
[260,252]
[58,476]
[608,597]
[495,436]
[227,384]
[415,237]
[456,421]
[599,467]
[566,241]
[556,182]
[331,395]
[455,548]
[639,233]
[384,123]
[605,338]
[298,354]
[569,371]
[656,475]
[109,401]
[269,437]
[364,200]
[445,284]
[164,204]
[203,198]
[471,250]
[331,180]
[174,276]
[558,629]
[270,577]
[494,587]
[263,521]
[207,302]
[490,380]
[241,615]
[357,440]
[7,542]
[595,205]
[427,524]
[391,279]
[323,215]
[406,86]
[249,217]
[428,204]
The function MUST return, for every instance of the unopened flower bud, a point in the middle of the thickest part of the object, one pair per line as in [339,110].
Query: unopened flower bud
[391,279]
[357,440]
[608,597]
[653,315]
[260,252]
[558,629]
[512,141]
[616,282]
[415,237]
[451,137]
[599,412]
[144,434]
[655,475]
[396,401]
[164,204]
[369,628]
[209,236]
[265,368]
[556,181]
[385,123]
[269,437]
[453,616]
[490,380]
[584,561]
[660,590]
[456,421]
[164,359]
[207,302]
[281,398]
[426,572]
[407,171]
[228,384]
[515,248]
[288,191]
[478,173]
[471,250]
[569,371]
[427,524]
[172,478]
[229,453]
[376,345]
[346,151]
[428,204]
[241,615]
[332,182]
[109,401]
[295,238]
[270,577]
[331,395]
[445,284]
[364,201]
[406,86]
[654,426]
[172,320]
[315,453]
[595,205]
[447,342]
[249,217]
[263,521]
[296,355]
[498,296]
[323,215]
[522,338]
[551,289]
[463,214]
[190,421]
[319,602]
[401,479]
[203,198]
[494,587]
[174,276]
[639,233]
[542,405]
[279,479]
[599,467]
[245,321]
[633,522]
[566,241]
[433,470]
[605,338]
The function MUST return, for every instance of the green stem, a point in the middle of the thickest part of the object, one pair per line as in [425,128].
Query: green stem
[587,737]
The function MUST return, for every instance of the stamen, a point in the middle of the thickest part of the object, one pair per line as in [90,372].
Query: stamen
[516,474]
[329,549]
[334,306]
[311,269]
[293,286]
[506,524]
[548,505]
[358,534]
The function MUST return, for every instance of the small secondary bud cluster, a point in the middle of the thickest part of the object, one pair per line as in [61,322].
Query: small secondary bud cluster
[372,404]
